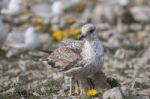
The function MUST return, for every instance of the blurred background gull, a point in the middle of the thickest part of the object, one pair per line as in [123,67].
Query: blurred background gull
[22,41]
[14,8]
[54,9]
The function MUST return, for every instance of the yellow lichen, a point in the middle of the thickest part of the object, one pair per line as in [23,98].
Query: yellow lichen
[92,92]
[65,33]
[38,27]
[58,35]
[140,37]
[75,31]
[70,20]
[37,21]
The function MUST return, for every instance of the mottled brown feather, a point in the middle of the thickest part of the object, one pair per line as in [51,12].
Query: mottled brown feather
[66,57]
[73,44]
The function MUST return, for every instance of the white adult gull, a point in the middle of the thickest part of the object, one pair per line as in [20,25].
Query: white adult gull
[28,40]
[57,8]
[79,59]
[14,8]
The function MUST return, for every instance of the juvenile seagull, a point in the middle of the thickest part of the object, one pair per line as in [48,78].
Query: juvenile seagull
[28,40]
[79,59]
[14,8]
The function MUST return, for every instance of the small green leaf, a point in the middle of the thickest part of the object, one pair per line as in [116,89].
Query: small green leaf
[2,52]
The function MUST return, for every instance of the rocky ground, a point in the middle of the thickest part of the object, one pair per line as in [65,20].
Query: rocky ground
[127,53]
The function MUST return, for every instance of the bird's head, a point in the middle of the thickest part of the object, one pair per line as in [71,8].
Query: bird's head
[29,31]
[57,8]
[88,32]
[32,39]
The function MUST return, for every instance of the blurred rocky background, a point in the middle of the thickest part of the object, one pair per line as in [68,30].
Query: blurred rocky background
[31,28]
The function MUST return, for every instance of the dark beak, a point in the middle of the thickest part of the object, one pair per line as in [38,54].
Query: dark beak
[81,37]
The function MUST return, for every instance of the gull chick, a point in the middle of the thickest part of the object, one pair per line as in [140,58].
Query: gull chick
[79,59]
[28,40]
[3,33]
[14,8]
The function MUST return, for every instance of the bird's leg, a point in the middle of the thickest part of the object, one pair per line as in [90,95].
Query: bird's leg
[68,83]
[70,80]
[100,81]
[77,87]
[84,85]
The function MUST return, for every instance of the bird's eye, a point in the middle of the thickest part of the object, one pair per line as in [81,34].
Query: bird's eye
[92,30]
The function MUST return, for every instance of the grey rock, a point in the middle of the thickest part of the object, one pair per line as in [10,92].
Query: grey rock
[141,13]
[144,59]
[35,93]
[113,43]
[145,92]
[65,97]
[104,14]
[124,54]
[136,27]
[107,34]
[124,93]
[141,97]
[117,93]
[116,2]
[22,79]
[147,28]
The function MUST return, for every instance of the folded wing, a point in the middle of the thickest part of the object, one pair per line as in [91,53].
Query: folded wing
[66,57]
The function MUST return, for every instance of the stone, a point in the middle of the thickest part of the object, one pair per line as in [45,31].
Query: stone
[22,79]
[141,97]
[124,54]
[135,27]
[141,13]
[145,92]
[117,93]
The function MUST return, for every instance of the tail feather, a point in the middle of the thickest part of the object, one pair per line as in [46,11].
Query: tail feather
[45,51]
